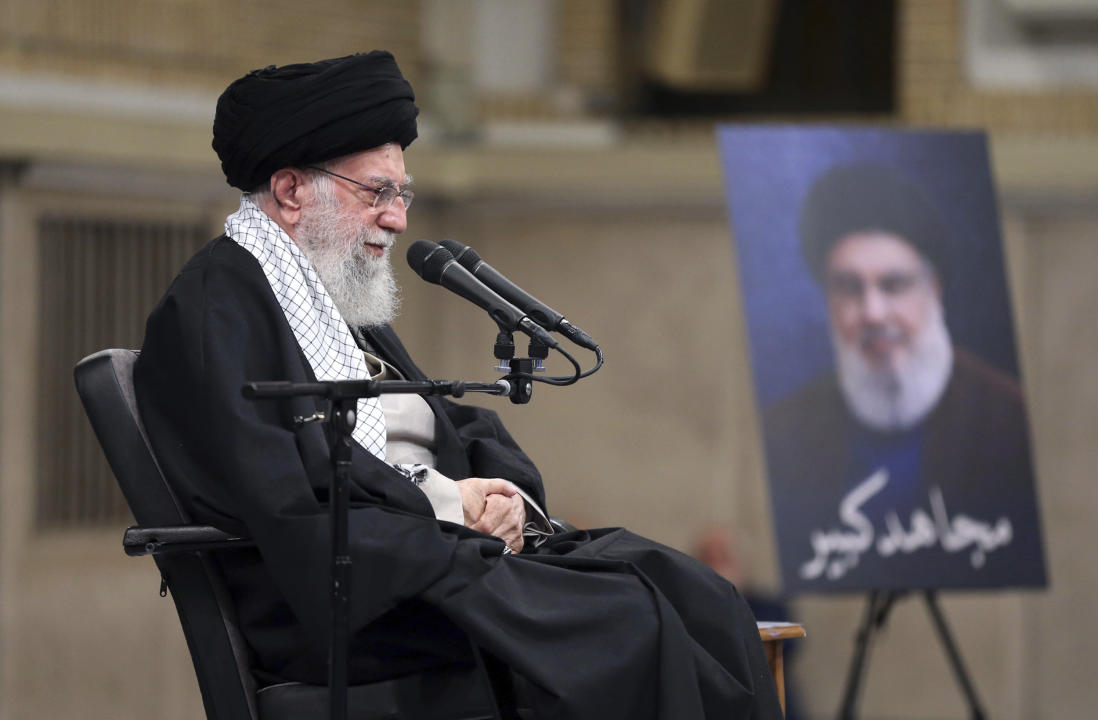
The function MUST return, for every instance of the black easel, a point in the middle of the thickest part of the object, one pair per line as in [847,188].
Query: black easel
[879,603]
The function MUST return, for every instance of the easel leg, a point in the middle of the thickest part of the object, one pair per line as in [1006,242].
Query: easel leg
[953,654]
[876,611]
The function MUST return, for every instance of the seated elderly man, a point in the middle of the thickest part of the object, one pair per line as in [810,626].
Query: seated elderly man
[448,538]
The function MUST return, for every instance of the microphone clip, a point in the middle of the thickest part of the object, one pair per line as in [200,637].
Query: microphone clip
[518,369]
[522,388]
[504,351]
[538,352]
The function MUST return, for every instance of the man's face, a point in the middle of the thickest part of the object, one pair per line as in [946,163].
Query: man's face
[881,294]
[377,168]
[347,240]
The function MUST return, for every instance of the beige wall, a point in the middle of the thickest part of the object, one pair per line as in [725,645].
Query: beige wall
[662,440]
[658,432]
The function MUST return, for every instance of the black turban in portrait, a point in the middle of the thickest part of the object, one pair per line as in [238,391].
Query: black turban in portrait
[858,198]
[307,113]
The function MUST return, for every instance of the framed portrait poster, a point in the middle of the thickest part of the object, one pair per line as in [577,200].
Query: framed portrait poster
[882,344]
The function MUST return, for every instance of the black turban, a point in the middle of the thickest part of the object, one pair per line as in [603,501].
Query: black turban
[307,113]
[857,198]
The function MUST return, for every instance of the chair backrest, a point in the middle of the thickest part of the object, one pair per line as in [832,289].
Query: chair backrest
[219,653]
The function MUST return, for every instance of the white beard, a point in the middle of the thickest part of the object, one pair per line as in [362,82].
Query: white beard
[900,395]
[361,285]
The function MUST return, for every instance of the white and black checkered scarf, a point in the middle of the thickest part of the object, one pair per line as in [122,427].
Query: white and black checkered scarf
[320,330]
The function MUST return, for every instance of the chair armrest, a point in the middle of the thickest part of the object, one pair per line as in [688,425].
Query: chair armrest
[139,541]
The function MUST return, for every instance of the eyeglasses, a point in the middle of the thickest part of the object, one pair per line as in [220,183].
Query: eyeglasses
[383,196]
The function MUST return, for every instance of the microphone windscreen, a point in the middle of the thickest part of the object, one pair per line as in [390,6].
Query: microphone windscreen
[417,254]
[464,254]
[435,263]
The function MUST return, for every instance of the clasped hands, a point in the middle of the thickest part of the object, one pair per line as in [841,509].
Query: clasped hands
[494,506]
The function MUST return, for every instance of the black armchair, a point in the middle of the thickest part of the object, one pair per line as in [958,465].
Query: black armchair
[221,657]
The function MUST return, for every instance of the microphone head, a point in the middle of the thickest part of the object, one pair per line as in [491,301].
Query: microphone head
[428,259]
[464,254]
[436,263]
[418,252]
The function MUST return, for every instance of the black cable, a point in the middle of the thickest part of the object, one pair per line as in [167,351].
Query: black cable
[592,371]
[558,381]
[562,381]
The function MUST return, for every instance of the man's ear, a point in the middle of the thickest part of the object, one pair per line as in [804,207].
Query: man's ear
[288,194]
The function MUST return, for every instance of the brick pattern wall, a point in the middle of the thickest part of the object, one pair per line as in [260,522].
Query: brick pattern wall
[196,43]
[934,91]
[585,81]
[587,45]
[932,86]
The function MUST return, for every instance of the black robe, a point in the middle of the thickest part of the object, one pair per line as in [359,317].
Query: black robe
[599,624]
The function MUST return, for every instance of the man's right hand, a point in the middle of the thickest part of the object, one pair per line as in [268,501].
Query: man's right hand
[502,520]
[475,492]
[504,517]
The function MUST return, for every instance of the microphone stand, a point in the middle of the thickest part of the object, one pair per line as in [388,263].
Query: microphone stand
[341,418]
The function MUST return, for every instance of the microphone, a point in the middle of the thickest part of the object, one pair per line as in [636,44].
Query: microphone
[435,264]
[536,310]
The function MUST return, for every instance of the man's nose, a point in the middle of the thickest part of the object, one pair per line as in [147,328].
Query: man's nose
[394,218]
[874,304]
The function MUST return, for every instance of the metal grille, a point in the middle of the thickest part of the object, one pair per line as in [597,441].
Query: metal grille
[100,278]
